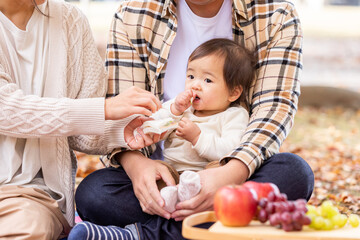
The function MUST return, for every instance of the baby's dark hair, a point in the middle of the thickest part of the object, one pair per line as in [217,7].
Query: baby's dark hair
[239,63]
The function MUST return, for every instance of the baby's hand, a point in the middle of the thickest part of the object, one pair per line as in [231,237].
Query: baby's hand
[182,102]
[188,130]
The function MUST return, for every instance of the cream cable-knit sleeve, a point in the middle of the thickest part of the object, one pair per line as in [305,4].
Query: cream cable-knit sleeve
[30,116]
[91,81]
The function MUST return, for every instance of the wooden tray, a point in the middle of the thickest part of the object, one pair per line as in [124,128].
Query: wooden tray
[258,231]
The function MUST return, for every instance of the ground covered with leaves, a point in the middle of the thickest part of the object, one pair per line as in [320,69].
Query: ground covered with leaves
[328,139]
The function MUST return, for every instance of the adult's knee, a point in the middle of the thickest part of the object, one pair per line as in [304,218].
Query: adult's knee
[290,173]
[28,219]
[90,195]
[104,195]
[86,190]
[297,175]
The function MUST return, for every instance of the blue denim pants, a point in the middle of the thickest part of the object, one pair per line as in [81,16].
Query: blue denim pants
[106,196]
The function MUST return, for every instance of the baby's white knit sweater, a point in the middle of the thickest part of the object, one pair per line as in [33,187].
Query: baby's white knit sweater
[70,116]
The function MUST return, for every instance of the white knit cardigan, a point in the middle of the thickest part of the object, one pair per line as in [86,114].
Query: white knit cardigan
[73,103]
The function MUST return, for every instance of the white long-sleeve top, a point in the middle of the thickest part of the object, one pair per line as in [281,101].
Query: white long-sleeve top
[66,114]
[220,134]
[23,54]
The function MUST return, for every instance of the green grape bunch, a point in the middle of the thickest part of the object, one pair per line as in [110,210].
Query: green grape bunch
[327,217]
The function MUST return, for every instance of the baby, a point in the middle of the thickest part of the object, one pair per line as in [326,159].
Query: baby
[205,122]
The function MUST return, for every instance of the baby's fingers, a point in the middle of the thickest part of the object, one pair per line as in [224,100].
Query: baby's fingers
[184,121]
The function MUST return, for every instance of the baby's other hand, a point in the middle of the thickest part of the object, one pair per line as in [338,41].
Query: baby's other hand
[188,130]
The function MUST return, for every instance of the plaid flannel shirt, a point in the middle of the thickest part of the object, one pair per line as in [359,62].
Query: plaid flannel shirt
[140,38]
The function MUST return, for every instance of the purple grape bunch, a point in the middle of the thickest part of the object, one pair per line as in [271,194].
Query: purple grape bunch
[283,213]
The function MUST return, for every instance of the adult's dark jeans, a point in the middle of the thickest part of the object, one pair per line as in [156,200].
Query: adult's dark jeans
[106,196]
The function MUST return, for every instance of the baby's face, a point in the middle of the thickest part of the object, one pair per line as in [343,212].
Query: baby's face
[204,76]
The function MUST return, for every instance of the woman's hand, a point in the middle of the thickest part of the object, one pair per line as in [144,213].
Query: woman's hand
[188,130]
[138,140]
[132,101]
[234,172]
[144,173]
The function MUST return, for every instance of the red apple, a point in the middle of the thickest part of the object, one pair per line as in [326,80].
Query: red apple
[262,189]
[235,205]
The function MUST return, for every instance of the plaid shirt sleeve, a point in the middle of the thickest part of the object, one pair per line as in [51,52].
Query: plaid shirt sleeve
[123,61]
[276,89]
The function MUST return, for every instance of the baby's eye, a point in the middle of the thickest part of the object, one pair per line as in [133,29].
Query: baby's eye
[191,76]
[208,80]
